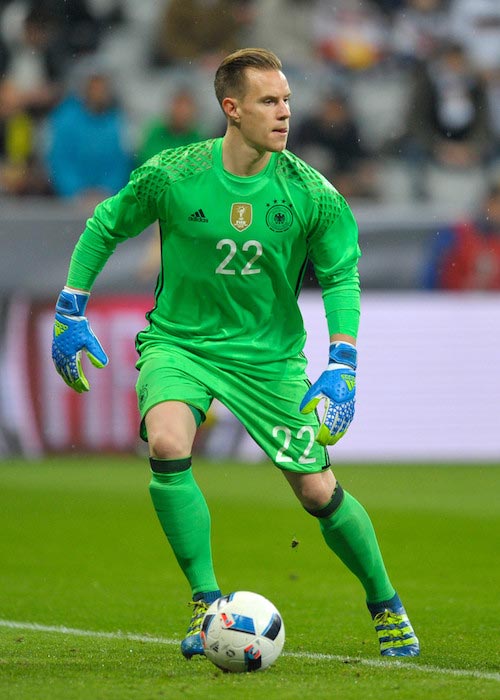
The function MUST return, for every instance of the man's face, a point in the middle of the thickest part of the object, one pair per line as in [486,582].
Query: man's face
[264,111]
[98,93]
[182,114]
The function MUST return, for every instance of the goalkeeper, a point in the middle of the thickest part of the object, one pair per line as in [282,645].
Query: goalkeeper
[239,217]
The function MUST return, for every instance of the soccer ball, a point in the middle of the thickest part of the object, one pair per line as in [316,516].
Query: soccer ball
[242,631]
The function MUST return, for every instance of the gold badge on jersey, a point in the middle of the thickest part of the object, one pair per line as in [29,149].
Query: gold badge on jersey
[241,215]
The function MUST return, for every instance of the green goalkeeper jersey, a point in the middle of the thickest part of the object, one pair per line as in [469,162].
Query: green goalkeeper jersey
[233,255]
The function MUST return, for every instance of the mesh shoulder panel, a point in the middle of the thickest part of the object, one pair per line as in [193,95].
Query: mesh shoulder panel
[168,167]
[328,202]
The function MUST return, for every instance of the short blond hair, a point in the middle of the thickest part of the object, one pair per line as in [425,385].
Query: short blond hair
[230,75]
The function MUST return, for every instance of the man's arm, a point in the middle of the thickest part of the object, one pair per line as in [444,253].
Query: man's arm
[116,219]
[335,252]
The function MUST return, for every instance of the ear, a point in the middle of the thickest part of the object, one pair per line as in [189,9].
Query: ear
[230,107]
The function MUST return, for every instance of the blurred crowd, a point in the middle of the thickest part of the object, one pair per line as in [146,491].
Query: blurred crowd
[394,100]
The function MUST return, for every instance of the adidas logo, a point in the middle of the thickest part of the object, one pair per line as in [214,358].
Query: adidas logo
[349,380]
[198,216]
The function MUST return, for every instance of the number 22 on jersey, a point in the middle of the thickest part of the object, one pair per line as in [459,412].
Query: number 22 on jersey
[226,267]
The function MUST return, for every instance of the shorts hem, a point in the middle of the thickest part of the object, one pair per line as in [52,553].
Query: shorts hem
[200,418]
[301,470]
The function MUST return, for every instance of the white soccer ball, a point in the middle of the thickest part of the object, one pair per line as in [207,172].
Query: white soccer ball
[242,631]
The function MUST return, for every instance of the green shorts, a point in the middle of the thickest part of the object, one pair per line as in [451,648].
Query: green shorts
[267,408]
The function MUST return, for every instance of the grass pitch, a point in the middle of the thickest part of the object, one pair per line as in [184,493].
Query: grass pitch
[92,604]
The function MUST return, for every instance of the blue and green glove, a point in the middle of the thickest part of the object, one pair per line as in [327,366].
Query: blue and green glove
[337,386]
[72,334]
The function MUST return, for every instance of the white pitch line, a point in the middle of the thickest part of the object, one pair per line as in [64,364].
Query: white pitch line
[35,627]
[374,663]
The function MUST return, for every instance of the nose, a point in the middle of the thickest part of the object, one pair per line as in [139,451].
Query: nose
[284,112]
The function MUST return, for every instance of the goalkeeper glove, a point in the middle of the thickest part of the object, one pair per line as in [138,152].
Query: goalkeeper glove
[72,334]
[337,386]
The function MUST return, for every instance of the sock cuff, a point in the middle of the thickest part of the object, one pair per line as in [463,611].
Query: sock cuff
[333,505]
[393,604]
[207,596]
[169,466]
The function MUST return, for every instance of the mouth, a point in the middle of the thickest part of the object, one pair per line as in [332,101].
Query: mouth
[283,131]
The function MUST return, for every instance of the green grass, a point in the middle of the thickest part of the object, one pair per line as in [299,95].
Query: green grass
[80,548]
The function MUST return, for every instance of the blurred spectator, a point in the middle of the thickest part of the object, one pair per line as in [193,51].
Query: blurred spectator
[448,115]
[20,169]
[200,30]
[56,33]
[34,64]
[32,70]
[87,157]
[178,126]
[293,43]
[476,25]
[329,139]
[351,34]
[419,29]
[78,28]
[466,256]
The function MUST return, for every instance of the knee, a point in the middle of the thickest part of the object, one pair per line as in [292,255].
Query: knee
[168,445]
[313,490]
[171,429]
[314,497]
[329,507]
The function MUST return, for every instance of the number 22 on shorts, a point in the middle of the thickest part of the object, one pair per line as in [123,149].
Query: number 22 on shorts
[286,436]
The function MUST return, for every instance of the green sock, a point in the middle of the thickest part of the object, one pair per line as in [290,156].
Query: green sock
[185,519]
[349,532]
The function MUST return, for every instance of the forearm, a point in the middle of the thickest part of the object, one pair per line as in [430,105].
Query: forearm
[342,309]
[335,257]
[87,261]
